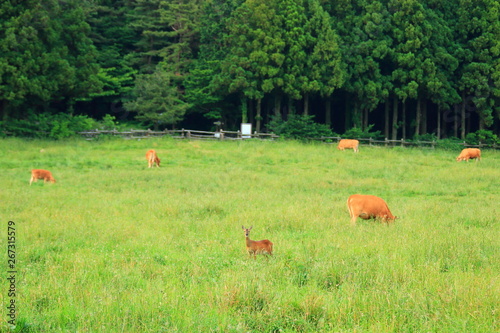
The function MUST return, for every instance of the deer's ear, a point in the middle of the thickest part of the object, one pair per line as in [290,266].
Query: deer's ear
[250,228]
[242,227]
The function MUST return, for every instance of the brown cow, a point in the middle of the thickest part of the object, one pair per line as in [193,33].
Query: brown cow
[469,153]
[152,158]
[349,144]
[368,207]
[41,174]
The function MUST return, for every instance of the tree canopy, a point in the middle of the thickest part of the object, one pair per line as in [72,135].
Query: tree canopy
[405,67]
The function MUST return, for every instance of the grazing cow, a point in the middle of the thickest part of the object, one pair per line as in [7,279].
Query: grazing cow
[349,144]
[469,153]
[152,158]
[41,174]
[368,207]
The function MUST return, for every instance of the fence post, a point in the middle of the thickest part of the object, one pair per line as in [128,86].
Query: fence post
[386,142]
[402,142]
[188,134]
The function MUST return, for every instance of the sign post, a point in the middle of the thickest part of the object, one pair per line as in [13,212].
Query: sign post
[246,130]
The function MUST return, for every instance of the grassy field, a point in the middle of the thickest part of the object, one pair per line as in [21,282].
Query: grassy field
[116,247]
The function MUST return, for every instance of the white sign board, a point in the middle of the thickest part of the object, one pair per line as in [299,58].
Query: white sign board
[246,130]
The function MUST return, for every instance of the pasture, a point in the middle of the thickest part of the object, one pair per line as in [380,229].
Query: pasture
[116,247]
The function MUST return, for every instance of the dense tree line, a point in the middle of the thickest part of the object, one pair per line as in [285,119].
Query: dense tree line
[404,67]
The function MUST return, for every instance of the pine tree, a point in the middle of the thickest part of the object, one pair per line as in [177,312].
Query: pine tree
[157,99]
[45,55]
[146,20]
[114,39]
[367,48]
[478,33]
[253,65]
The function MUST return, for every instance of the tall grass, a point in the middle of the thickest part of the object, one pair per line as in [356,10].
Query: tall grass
[116,247]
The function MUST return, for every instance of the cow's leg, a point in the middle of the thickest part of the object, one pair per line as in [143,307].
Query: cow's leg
[353,220]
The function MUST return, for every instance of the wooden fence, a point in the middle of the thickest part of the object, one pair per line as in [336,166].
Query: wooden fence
[404,143]
[386,142]
[180,134]
[237,135]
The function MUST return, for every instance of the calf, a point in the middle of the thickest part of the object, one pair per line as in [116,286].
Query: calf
[348,144]
[469,153]
[41,174]
[152,158]
[368,207]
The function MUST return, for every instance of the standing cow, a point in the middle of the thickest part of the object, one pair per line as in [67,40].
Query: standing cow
[469,153]
[348,144]
[368,207]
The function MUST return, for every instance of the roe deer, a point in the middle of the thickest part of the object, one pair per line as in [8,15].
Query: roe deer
[257,247]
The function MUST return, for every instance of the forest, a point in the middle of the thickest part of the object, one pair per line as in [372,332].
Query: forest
[404,68]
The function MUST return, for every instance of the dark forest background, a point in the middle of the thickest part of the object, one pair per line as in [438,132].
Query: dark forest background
[398,68]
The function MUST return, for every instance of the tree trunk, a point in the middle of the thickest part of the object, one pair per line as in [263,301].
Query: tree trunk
[462,117]
[328,112]
[4,111]
[356,117]
[290,107]
[244,109]
[258,117]
[455,122]
[348,116]
[404,119]
[468,124]
[365,119]
[418,117]
[251,111]
[424,118]
[438,130]
[306,104]
[444,128]
[386,116]
[395,118]
[277,106]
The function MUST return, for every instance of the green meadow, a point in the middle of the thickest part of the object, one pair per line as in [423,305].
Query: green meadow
[116,247]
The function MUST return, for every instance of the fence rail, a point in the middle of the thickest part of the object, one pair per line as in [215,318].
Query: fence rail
[179,134]
[237,135]
[404,143]
[386,142]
